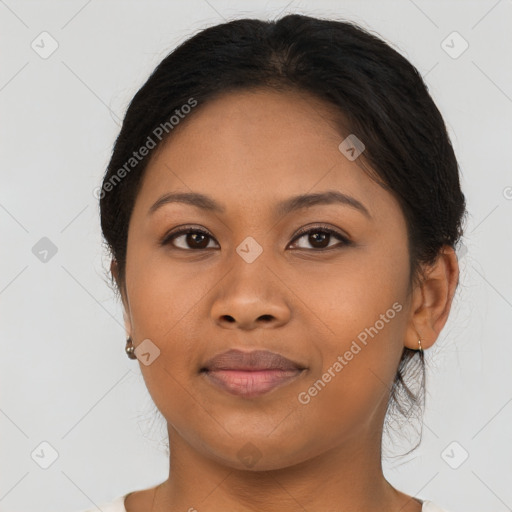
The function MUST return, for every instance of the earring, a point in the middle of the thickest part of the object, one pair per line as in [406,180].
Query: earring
[130,349]
[419,345]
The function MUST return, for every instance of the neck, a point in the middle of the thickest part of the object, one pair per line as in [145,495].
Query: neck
[348,477]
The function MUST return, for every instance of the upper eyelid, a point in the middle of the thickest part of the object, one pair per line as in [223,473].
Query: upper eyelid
[306,230]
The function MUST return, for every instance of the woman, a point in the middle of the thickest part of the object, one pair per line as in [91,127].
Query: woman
[282,206]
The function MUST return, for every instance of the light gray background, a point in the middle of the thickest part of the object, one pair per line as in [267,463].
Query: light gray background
[65,378]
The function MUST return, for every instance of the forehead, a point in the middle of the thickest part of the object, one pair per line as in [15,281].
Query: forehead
[253,148]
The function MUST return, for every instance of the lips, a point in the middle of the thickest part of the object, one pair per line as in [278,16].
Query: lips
[250,361]
[250,374]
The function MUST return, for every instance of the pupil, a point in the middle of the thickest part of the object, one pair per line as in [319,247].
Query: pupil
[320,234]
[194,237]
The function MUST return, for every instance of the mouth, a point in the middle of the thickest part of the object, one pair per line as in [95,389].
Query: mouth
[250,374]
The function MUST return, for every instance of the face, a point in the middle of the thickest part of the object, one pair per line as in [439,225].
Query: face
[323,284]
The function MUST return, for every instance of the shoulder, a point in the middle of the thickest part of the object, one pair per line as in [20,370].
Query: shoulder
[429,506]
[141,499]
[116,505]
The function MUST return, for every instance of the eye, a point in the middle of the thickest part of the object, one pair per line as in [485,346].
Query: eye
[198,239]
[191,238]
[320,236]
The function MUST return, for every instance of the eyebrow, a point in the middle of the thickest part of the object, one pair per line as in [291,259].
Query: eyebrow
[288,205]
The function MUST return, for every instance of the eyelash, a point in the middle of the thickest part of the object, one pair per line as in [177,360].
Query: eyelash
[305,231]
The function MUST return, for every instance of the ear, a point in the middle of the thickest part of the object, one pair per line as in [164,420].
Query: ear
[432,300]
[114,269]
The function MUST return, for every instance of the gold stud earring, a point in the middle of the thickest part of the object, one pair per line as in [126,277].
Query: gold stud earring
[130,349]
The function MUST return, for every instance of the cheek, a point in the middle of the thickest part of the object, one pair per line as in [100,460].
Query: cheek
[167,302]
[359,309]
[162,315]
[356,369]
[357,293]
[164,294]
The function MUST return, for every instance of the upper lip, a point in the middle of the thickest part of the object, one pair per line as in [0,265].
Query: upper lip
[250,361]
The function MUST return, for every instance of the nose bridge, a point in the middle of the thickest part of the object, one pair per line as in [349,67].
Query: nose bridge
[250,274]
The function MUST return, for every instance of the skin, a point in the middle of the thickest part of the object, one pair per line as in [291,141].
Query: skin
[248,151]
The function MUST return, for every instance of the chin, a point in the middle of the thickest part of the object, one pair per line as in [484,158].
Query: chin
[259,453]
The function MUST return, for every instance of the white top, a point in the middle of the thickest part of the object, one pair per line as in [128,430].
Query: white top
[118,506]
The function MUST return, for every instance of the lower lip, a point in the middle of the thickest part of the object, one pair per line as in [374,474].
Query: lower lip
[251,383]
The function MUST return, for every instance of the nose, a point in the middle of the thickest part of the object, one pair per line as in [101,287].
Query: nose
[248,301]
